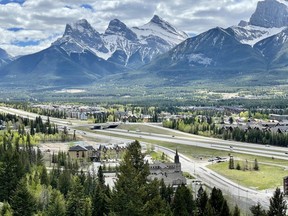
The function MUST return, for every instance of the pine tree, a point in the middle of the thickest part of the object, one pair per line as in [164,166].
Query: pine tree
[209,210]
[127,197]
[238,167]
[44,176]
[256,166]
[257,210]
[231,162]
[236,211]
[11,170]
[278,205]
[39,157]
[183,203]
[22,202]
[76,200]
[166,192]
[65,182]
[6,210]
[56,205]
[225,209]
[100,201]
[100,176]
[153,203]
[216,201]
[201,201]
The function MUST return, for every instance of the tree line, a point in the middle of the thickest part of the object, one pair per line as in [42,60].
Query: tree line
[206,126]
[27,188]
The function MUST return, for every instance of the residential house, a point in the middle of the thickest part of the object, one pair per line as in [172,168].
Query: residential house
[78,152]
[83,152]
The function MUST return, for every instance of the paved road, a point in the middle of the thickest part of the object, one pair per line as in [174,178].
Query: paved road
[245,196]
[229,146]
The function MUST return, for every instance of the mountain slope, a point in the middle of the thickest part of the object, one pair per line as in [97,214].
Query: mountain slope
[214,50]
[270,13]
[81,36]
[5,58]
[54,67]
[269,18]
[275,49]
[137,46]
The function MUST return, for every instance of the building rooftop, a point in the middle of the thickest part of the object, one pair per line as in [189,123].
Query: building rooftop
[77,148]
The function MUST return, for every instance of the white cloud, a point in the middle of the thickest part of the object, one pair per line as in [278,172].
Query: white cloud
[44,20]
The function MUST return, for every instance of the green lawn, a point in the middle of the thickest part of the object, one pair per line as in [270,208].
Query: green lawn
[267,177]
[195,151]
[262,179]
[150,129]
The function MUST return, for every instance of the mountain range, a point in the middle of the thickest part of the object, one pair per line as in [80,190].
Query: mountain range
[83,56]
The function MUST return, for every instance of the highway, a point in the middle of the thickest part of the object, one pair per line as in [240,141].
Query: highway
[217,144]
[245,197]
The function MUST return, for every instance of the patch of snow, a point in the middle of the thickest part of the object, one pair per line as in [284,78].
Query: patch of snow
[154,29]
[254,34]
[283,2]
[199,58]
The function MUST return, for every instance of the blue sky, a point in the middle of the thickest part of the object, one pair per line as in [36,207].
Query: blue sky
[11,1]
[28,26]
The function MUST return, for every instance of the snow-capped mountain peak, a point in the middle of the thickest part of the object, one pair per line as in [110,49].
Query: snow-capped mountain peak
[120,43]
[81,36]
[269,18]
[162,29]
[82,27]
[116,27]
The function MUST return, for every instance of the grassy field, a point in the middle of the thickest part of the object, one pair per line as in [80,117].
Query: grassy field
[196,152]
[150,129]
[254,179]
[259,180]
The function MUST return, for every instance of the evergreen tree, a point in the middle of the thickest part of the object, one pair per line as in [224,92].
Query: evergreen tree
[100,201]
[153,203]
[236,211]
[183,203]
[11,170]
[231,120]
[257,210]
[130,189]
[278,205]
[224,209]
[76,202]
[216,201]
[56,205]
[88,207]
[39,157]
[201,201]
[6,210]
[256,166]
[238,167]
[65,182]
[44,176]
[166,193]
[22,202]
[231,162]
[100,176]
[209,210]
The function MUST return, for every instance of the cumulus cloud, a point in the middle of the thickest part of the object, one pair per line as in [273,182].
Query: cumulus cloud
[42,21]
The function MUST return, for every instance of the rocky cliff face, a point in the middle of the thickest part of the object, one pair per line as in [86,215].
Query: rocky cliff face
[270,13]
